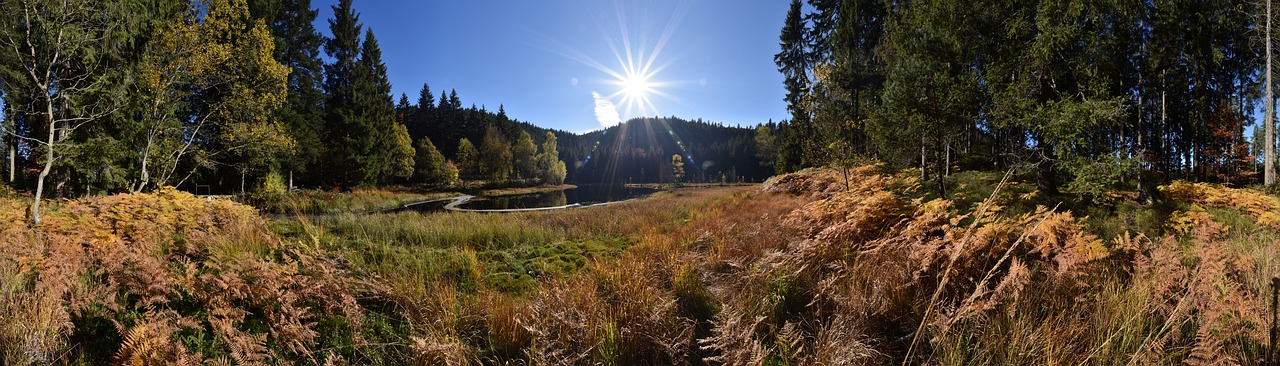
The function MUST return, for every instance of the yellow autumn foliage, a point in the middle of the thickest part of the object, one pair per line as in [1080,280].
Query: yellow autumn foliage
[1261,207]
[162,264]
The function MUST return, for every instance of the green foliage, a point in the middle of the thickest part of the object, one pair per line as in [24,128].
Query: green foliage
[432,168]
[272,184]
[1100,175]
[495,156]
[520,269]
[298,48]
[402,152]
[361,118]
[551,170]
[766,146]
[468,159]
[691,294]
[522,155]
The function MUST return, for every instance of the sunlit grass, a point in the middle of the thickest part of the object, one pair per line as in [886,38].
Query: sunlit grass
[817,274]
[314,201]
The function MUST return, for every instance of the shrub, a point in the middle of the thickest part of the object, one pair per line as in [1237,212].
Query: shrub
[182,279]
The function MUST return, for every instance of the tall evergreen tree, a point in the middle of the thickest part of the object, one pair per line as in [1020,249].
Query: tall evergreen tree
[342,117]
[298,47]
[423,118]
[792,61]
[381,150]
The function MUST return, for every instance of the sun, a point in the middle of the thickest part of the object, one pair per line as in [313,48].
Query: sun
[636,87]
[636,78]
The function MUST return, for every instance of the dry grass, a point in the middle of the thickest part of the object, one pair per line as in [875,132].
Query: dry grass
[804,270]
[361,200]
[176,279]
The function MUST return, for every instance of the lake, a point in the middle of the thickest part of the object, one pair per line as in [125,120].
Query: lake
[584,195]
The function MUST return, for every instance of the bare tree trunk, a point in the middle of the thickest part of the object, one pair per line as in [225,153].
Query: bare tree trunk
[1269,160]
[947,169]
[924,177]
[13,159]
[48,160]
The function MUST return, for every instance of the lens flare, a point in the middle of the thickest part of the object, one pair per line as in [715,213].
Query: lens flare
[639,59]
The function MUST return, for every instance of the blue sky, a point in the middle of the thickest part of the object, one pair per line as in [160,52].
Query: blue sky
[536,57]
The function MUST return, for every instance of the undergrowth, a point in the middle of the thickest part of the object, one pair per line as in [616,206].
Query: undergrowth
[809,268]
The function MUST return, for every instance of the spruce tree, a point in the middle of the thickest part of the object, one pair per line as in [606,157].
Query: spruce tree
[381,151]
[298,47]
[792,61]
[342,119]
[423,118]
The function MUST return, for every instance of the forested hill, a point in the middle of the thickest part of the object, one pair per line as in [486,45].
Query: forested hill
[641,150]
[636,151]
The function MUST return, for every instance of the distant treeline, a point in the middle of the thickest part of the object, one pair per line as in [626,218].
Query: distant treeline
[640,151]
[1090,94]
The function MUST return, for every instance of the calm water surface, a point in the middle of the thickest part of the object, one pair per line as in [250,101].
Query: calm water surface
[584,195]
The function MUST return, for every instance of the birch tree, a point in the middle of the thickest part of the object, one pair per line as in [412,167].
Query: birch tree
[53,52]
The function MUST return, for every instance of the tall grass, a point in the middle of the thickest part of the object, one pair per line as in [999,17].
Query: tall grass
[164,278]
[315,202]
[824,274]
[804,270]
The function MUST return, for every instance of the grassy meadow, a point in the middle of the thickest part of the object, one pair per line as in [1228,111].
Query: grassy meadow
[802,270]
[318,202]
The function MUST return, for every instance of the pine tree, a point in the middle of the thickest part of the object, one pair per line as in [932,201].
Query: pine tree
[382,151]
[423,119]
[342,120]
[404,110]
[792,61]
[298,47]
[1269,154]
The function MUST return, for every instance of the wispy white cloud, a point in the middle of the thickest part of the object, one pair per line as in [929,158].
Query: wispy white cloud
[606,112]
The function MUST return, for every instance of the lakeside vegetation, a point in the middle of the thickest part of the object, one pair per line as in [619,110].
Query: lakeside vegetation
[802,270]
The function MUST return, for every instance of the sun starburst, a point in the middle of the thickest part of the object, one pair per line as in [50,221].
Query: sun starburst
[638,66]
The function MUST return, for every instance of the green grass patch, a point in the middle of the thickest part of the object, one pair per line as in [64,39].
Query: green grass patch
[314,201]
[518,270]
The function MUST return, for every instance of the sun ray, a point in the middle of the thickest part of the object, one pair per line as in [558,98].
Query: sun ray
[639,60]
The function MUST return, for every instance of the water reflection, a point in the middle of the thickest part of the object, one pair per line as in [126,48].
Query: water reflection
[583,196]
